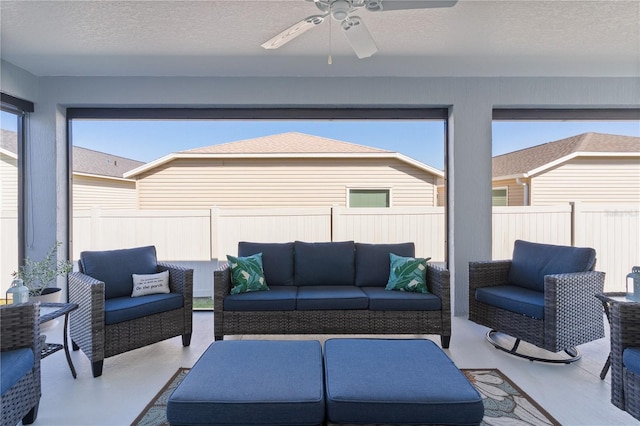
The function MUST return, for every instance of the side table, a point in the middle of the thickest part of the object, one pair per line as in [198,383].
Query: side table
[607,300]
[51,311]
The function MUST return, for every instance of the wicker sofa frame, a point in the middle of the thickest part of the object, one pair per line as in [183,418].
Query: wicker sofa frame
[572,315]
[335,321]
[20,328]
[625,332]
[99,341]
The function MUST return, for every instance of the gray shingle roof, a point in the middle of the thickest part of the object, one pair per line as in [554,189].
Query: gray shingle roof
[84,160]
[526,160]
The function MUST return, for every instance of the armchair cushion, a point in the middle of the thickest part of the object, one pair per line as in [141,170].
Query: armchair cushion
[372,262]
[513,298]
[277,260]
[122,309]
[324,263]
[116,268]
[15,365]
[631,359]
[532,261]
[278,298]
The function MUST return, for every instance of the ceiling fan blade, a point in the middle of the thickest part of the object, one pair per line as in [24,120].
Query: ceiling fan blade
[294,31]
[359,37]
[386,5]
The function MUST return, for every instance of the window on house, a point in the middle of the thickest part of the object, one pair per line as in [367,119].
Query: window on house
[369,198]
[499,197]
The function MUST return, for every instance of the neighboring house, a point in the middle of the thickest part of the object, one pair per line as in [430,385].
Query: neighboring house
[285,170]
[97,177]
[589,168]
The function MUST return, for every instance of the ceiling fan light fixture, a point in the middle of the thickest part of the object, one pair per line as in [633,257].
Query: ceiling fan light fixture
[340,10]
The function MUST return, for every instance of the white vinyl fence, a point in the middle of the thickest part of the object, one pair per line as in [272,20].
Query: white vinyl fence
[200,238]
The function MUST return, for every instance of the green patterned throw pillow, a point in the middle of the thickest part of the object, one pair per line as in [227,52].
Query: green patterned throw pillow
[247,274]
[407,274]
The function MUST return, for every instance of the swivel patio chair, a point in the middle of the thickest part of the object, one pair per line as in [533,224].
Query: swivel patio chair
[625,357]
[20,363]
[109,320]
[544,295]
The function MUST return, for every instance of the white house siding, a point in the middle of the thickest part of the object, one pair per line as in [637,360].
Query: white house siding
[202,183]
[589,180]
[515,191]
[106,193]
[8,182]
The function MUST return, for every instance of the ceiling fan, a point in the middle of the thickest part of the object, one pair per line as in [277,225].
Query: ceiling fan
[352,26]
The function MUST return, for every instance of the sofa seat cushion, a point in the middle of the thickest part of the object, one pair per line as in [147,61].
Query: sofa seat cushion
[513,298]
[116,268]
[532,261]
[277,260]
[122,309]
[372,262]
[278,298]
[14,364]
[381,299]
[324,263]
[631,359]
[323,297]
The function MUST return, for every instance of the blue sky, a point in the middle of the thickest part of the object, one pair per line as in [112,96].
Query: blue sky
[147,140]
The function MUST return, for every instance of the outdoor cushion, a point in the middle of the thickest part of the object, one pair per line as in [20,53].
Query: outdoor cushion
[384,381]
[407,274]
[372,262]
[247,274]
[532,261]
[252,382]
[277,260]
[121,309]
[513,298]
[324,263]
[631,359]
[14,365]
[116,268]
[385,300]
[278,298]
[331,297]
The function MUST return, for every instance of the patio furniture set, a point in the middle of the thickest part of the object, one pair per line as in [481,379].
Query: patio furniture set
[544,295]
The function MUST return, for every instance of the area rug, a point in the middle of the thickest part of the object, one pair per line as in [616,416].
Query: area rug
[504,402]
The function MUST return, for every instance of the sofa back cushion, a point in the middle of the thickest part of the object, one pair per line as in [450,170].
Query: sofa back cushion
[277,260]
[532,261]
[372,262]
[331,263]
[116,268]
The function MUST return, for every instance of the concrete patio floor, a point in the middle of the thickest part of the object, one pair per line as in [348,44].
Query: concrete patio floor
[573,394]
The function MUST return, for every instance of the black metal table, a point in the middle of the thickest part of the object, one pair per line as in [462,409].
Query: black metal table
[49,312]
[607,300]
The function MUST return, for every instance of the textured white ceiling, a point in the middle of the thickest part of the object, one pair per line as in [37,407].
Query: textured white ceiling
[222,38]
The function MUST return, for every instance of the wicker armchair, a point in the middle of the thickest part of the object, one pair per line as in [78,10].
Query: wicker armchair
[625,333]
[558,315]
[20,329]
[100,338]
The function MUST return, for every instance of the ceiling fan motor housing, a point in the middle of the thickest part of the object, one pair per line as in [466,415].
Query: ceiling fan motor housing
[340,10]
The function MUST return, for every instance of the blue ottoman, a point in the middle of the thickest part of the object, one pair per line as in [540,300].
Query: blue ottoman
[405,382]
[252,382]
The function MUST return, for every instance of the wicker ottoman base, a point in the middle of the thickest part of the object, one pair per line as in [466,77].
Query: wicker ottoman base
[408,382]
[252,382]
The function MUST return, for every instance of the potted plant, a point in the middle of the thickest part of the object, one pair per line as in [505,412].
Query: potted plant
[39,275]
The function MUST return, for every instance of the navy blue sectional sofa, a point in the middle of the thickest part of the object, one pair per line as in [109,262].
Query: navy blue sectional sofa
[331,288]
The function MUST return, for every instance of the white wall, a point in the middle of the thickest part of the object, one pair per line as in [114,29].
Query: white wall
[470,100]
